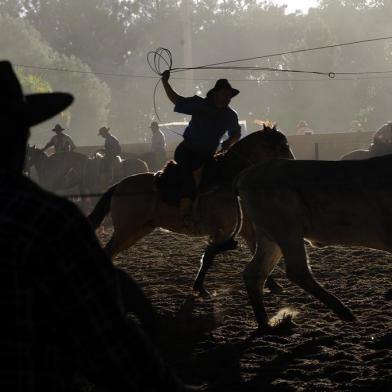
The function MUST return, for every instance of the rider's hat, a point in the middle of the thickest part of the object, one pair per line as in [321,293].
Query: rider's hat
[58,128]
[103,130]
[220,85]
[32,108]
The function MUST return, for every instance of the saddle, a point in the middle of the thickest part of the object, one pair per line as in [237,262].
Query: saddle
[168,181]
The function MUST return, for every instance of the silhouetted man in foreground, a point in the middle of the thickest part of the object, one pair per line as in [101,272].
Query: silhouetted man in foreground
[61,310]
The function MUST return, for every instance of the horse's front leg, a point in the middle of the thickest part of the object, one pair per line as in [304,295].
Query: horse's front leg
[248,233]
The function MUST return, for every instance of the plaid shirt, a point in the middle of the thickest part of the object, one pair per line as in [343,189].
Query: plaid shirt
[60,307]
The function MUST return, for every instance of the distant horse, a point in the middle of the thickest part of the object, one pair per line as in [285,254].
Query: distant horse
[155,160]
[381,145]
[67,170]
[57,172]
[121,168]
[137,208]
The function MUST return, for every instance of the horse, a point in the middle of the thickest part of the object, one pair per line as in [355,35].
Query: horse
[381,145]
[60,171]
[69,170]
[121,168]
[325,202]
[137,207]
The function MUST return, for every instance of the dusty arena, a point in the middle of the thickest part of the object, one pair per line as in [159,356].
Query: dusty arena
[214,342]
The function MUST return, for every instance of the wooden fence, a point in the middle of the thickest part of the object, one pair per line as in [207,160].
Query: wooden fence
[325,146]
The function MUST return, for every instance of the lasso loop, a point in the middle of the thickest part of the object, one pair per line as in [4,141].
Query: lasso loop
[155,58]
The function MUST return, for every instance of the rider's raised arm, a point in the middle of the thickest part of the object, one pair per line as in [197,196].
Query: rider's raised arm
[171,94]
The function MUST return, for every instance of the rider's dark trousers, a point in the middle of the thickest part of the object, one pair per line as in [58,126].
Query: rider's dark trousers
[188,161]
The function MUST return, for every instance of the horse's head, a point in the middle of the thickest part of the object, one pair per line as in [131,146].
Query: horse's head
[34,155]
[98,155]
[267,143]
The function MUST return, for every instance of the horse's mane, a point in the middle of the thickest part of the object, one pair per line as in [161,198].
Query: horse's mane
[269,136]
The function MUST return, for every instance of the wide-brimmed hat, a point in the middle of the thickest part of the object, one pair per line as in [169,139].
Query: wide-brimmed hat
[58,128]
[221,84]
[154,124]
[31,108]
[103,130]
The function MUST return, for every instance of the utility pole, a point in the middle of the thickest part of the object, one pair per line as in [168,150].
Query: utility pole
[187,44]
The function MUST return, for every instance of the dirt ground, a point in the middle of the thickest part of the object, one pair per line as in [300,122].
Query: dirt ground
[214,342]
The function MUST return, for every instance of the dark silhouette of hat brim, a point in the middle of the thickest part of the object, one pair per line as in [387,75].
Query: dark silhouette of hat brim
[41,107]
[234,92]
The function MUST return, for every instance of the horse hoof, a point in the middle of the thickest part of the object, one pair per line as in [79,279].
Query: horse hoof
[264,329]
[203,293]
[275,288]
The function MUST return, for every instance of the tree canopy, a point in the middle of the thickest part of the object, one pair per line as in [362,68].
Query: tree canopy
[113,37]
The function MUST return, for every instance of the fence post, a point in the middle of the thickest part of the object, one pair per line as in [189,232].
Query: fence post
[316,151]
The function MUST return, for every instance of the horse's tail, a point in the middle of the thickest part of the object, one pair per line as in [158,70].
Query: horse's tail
[230,242]
[102,208]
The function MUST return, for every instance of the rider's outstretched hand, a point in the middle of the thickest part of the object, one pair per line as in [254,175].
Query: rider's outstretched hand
[165,76]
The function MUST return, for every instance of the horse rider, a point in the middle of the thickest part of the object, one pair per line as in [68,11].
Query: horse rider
[158,145]
[111,150]
[382,141]
[211,118]
[61,141]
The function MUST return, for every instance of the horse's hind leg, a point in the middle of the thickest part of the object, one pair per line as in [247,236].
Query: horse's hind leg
[256,273]
[205,263]
[122,240]
[299,272]
[218,243]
